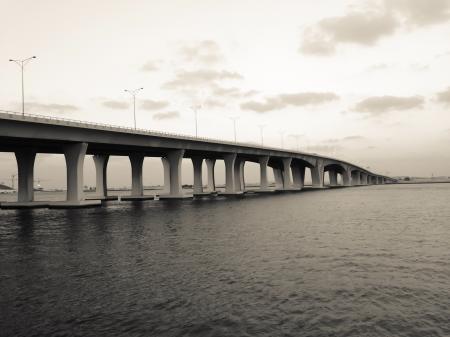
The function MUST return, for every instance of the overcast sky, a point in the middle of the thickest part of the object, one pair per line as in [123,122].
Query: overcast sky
[366,81]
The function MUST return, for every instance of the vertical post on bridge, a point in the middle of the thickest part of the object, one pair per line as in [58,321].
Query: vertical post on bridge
[25,168]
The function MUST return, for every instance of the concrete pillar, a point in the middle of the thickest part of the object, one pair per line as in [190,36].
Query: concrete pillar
[137,187]
[278,175]
[229,160]
[166,170]
[74,154]
[346,178]
[298,176]
[242,175]
[197,163]
[239,175]
[25,169]
[264,182]
[333,177]
[317,174]
[210,163]
[175,158]
[287,180]
[363,178]
[356,179]
[101,163]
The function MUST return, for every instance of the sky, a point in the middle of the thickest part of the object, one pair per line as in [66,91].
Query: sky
[364,81]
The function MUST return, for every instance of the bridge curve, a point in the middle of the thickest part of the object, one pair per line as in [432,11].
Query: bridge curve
[27,135]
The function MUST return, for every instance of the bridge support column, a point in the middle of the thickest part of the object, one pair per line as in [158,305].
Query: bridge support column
[197,163]
[230,160]
[287,181]
[264,182]
[166,171]
[101,163]
[346,178]
[333,177]
[74,155]
[356,178]
[298,176]
[175,158]
[137,187]
[317,174]
[210,163]
[278,176]
[363,178]
[239,175]
[25,168]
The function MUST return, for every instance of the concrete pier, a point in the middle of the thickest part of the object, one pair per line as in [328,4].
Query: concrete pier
[210,164]
[137,187]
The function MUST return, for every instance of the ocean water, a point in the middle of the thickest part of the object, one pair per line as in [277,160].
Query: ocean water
[365,261]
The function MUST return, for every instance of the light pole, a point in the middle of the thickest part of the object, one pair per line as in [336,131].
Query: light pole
[282,138]
[21,64]
[134,93]
[234,119]
[195,109]
[261,129]
[296,137]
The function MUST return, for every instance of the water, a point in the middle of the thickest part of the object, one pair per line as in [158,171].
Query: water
[367,261]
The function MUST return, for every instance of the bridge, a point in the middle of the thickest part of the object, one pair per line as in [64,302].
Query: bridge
[27,135]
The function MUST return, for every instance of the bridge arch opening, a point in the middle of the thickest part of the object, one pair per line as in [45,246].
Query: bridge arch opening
[334,174]
[153,175]
[118,175]
[219,174]
[252,175]
[8,177]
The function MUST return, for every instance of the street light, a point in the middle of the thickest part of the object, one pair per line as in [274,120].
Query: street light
[261,128]
[134,93]
[234,119]
[21,64]
[195,109]
[296,137]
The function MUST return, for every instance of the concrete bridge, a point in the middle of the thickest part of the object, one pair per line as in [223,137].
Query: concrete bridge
[30,134]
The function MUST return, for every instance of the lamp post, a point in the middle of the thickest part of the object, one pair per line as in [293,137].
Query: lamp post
[21,64]
[134,93]
[261,129]
[234,119]
[296,137]
[195,109]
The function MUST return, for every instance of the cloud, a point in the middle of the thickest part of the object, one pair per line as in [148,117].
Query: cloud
[213,103]
[233,92]
[201,77]
[353,138]
[50,108]
[421,12]
[363,28]
[150,66]
[166,115]
[284,100]
[149,104]
[116,105]
[444,96]
[378,105]
[205,52]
